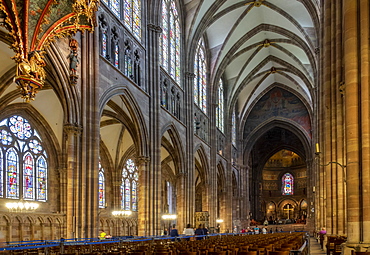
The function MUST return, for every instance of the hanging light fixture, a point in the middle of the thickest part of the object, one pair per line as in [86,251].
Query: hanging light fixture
[122,213]
[169,216]
[22,206]
[32,28]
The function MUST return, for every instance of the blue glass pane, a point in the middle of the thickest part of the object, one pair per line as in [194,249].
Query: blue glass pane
[287,184]
[12,175]
[28,178]
[41,181]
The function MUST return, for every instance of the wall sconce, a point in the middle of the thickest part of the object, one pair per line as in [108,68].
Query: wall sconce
[318,153]
[219,221]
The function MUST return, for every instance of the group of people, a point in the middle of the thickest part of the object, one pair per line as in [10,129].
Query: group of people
[188,231]
[257,230]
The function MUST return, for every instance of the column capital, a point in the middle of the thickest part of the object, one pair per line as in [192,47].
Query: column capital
[190,75]
[154,28]
[70,128]
[142,160]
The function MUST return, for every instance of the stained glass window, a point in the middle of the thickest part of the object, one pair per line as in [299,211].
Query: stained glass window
[28,180]
[101,186]
[41,183]
[233,129]
[104,44]
[129,193]
[128,62]
[220,107]
[132,16]
[170,40]
[287,184]
[116,55]
[114,6]
[23,164]
[12,174]
[200,81]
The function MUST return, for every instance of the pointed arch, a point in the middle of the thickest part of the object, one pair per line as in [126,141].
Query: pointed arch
[136,125]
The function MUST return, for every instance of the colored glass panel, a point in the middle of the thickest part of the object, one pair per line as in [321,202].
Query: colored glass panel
[136,14]
[200,86]
[116,55]
[12,178]
[115,7]
[130,166]
[104,44]
[129,186]
[132,16]
[20,127]
[128,62]
[101,187]
[134,196]
[170,43]
[41,169]
[127,194]
[35,146]
[28,178]
[220,108]
[6,138]
[21,175]
[287,184]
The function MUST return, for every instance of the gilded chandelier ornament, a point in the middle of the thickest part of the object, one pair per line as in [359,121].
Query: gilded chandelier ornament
[34,24]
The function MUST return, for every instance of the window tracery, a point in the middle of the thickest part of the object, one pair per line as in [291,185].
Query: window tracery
[200,82]
[129,192]
[132,16]
[170,40]
[23,161]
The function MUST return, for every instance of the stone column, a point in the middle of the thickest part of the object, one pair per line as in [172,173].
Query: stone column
[154,175]
[189,164]
[180,199]
[71,132]
[364,51]
[356,59]
[87,221]
[143,195]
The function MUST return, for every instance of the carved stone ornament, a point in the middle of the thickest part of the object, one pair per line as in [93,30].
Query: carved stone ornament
[34,24]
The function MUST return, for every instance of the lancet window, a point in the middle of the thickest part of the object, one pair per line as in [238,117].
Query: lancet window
[101,186]
[200,81]
[129,185]
[23,161]
[220,107]
[170,40]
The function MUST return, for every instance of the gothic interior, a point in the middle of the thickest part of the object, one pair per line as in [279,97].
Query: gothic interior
[132,115]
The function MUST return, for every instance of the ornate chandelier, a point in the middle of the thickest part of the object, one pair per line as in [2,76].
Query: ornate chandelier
[32,25]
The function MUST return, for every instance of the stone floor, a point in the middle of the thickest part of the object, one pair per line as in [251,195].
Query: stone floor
[315,248]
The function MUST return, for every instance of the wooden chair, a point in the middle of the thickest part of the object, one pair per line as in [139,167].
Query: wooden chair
[278,253]
[360,252]
[248,253]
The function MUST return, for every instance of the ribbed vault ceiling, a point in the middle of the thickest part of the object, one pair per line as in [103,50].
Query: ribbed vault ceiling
[258,44]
